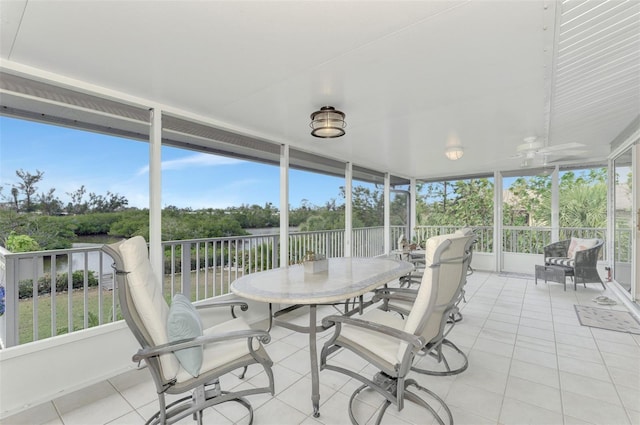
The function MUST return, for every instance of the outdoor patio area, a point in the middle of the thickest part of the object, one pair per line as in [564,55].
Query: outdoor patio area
[530,361]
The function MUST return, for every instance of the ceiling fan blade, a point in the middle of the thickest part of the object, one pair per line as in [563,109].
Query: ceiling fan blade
[562,147]
[566,152]
[565,158]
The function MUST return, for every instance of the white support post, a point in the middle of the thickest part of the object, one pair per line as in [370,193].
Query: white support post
[348,209]
[497,219]
[155,193]
[387,213]
[284,206]
[555,205]
[413,214]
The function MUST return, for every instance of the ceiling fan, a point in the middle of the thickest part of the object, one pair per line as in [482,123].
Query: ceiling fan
[534,152]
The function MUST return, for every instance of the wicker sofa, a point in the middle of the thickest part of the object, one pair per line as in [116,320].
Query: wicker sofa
[578,257]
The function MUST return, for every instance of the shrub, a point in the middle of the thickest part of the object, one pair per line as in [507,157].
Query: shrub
[25,287]
[21,243]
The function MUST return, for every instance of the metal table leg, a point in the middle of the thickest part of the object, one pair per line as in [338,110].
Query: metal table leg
[315,378]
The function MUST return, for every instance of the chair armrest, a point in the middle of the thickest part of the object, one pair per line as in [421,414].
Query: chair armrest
[263,336]
[587,257]
[415,341]
[243,306]
[557,249]
[400,294]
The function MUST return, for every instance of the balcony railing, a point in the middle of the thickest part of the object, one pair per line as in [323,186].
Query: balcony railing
[81,293]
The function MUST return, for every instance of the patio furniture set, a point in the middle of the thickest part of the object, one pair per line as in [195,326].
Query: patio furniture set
[188,360]
[404,322]
[575,258]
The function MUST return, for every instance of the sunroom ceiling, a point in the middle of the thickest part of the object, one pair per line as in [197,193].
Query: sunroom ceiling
[412,76]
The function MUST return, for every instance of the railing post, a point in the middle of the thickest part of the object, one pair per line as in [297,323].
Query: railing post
[9,321]
[185,268]
[275,252]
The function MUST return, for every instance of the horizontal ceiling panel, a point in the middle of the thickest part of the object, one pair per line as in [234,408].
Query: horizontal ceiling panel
[597,71]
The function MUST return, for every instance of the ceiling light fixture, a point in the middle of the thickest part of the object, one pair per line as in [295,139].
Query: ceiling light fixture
[454,152]
[327,123]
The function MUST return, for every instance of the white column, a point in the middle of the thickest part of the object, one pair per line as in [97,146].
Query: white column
[497,219]
[284,206]
[555,205]
[413,214]
[155,192]
[348,209]
[387,214]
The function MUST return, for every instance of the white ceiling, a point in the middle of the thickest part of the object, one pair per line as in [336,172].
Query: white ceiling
[411,76]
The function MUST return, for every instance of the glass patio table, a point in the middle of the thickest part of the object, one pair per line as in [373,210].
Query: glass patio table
[346,278]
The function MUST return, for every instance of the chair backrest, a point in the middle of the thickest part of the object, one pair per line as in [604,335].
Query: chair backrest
[141,301]
[579,244]
[468,231]
[447,260]
[401,242]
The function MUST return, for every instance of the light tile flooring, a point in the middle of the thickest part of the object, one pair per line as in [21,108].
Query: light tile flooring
[530,363]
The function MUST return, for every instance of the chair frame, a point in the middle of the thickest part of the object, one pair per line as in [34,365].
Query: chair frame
[204,390]
[391,381]
[585,263]
[434,348]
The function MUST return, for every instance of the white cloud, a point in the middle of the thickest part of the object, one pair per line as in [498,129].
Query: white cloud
[196,160]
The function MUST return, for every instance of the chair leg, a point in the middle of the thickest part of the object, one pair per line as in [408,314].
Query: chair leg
[200,399]
[439,355]
[416,399]
[244,372]
[408,396]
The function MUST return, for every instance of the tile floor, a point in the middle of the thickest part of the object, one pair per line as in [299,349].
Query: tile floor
[530,362]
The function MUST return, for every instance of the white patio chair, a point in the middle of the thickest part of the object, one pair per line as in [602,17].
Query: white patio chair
[389,343]
[446,315]
[181,356]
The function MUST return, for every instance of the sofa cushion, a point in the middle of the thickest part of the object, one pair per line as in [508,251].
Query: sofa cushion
[560,261]
[578,244]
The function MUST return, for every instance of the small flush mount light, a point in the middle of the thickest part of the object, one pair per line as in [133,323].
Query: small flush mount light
[327,123]
[454,152]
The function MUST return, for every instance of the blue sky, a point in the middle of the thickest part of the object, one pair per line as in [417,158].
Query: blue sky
[70,158]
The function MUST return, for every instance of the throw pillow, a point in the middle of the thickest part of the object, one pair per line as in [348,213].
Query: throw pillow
[184,323]
[578,244]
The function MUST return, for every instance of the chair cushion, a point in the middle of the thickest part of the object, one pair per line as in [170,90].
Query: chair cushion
[184,323]
[381,345]
[146,293]
[560,261]
[219,354]
[578,244]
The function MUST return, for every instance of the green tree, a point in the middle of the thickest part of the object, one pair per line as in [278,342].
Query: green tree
[28,185]
[583,200]
[77,204]
[466,202]
[14,193]
[48,203]
[49,232]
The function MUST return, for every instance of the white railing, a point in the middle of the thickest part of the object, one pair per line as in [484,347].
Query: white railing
[81,295]
[524,239]
[484,235]
[52,292]
[532,240]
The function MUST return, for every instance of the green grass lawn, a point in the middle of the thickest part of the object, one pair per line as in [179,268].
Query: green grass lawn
[26,306]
